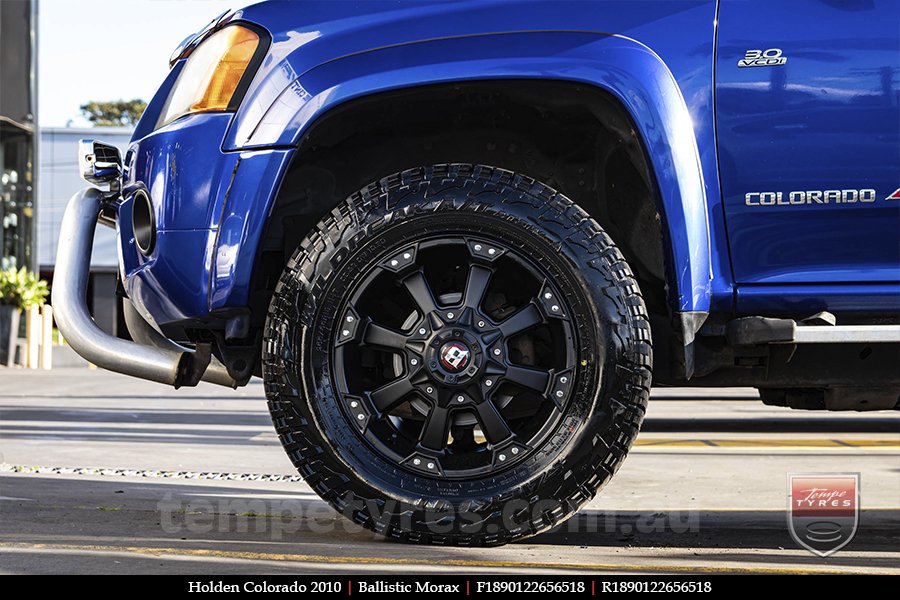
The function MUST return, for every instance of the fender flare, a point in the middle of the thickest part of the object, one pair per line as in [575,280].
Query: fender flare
[628,70]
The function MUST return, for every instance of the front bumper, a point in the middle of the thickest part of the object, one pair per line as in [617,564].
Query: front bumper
[209,208]
[159,360]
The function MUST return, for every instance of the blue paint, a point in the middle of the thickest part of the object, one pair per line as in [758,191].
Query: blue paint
[623,67]
[863,300]
[243,219]
[826,120]
[184,170]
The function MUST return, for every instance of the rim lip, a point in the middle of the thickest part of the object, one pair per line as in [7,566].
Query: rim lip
[337,369]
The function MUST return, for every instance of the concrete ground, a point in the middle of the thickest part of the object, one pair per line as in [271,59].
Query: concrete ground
[100,473]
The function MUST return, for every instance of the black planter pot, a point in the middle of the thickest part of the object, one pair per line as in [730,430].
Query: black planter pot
[9,331]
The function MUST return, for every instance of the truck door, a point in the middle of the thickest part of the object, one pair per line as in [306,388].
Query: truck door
[808,129]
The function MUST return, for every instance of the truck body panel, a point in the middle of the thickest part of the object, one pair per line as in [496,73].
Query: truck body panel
[791,109]
[809,153]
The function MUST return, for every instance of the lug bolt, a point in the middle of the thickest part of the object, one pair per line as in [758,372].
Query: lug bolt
[430,465]
[407,255]
[416,461]
[360,417]
[413,361]
[450,315]
[514,450]
[563,379]
[481,323]
[394,263]
[429,390]
[422,331]
[488,383]
[349,318]
[559,393]
[478,247]
[548,295]
[345,332]
[491,251]
[354,404]
[554,308]
[502,457]
[496,351]
[460,398]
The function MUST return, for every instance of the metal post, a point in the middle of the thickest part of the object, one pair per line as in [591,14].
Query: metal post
[47,337]
[36,139]
[32,337]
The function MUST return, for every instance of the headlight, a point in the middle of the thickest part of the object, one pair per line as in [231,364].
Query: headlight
[212,73]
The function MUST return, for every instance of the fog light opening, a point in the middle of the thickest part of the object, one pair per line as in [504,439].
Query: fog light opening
[143,223]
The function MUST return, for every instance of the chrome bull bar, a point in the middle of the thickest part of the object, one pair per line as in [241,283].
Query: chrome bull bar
[151,356]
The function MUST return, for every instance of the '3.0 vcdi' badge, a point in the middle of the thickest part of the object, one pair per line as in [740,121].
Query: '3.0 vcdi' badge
[763,58]
[823,510]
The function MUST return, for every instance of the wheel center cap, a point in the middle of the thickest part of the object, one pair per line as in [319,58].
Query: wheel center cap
[455,356]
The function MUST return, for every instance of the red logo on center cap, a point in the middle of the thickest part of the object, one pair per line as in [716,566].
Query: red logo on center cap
[455,356]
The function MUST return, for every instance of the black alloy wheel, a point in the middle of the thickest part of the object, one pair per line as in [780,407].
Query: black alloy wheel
[456,384]
[457,354]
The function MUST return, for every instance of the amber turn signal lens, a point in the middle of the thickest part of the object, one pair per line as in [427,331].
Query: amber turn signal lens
[212,72]
[239,45]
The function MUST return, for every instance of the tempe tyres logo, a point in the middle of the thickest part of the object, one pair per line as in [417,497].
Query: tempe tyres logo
[823,510]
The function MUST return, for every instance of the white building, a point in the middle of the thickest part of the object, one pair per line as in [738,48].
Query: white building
[59,179]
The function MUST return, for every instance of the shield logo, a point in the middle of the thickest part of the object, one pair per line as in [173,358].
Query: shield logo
[823,510]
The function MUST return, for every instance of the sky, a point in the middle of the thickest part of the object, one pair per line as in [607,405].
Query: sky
[107,50]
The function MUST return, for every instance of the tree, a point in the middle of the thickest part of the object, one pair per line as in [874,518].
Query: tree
[114,113]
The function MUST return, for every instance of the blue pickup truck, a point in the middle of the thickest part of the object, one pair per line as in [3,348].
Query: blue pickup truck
[455,239]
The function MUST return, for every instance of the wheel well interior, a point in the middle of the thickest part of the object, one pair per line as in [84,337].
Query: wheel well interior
[575,138]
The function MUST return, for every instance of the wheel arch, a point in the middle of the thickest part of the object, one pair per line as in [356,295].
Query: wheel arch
[630,76]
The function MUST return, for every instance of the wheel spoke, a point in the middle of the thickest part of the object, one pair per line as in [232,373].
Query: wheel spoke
[434,432]
[493,425]
[524,319]
[420,291]
[476,285]
[389,395]
[382,337]
[533,379]
[448,394]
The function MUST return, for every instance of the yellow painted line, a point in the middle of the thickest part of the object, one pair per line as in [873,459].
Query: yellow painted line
[386,560]
[767,443]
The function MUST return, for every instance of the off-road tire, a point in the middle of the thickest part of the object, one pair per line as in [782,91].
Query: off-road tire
[613,345]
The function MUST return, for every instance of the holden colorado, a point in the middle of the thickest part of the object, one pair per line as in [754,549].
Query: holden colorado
[456,239]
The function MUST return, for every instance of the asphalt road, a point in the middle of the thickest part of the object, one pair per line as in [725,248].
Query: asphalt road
[100,473]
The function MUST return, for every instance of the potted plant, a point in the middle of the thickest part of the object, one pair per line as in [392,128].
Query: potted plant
[19,290]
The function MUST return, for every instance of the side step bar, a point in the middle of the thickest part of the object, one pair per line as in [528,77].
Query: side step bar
[165,363]
[750,331]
